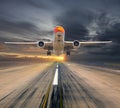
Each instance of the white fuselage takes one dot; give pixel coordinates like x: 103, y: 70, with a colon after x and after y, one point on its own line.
x: 58, y: 43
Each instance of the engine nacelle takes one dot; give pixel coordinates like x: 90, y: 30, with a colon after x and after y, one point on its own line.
x: 41, y: 44
x: 76, y: 44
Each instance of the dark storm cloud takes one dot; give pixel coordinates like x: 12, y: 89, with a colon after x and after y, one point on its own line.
x: 108, y: 28
x: 15, y: 27
x: 75, y: 23
x: 23, y: 29
x: 112, y: 33
x: 24, y: 20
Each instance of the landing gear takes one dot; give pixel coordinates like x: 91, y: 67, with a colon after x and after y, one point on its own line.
x: 68, y: 53
x: 48, y: 53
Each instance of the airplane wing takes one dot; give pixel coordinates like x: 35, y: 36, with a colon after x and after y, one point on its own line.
x: 94, y: 43
x: 72, y: 44
x: 21, y: 43
x: 41, y: 44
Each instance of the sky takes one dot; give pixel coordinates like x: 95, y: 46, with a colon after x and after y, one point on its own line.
x: 83, y: 20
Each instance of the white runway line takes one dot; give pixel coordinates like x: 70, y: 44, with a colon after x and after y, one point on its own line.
x: 55, y: 81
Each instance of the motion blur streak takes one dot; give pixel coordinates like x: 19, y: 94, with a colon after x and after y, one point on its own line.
x: 17, y: 55
x: 58, y: 58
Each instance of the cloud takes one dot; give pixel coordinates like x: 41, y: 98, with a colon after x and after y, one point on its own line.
x: 112, y: 33
x: 74, y: 22
x: 107, y: 28
x: 21, y: 30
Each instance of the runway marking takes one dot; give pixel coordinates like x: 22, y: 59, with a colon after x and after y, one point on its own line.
x: 68, y: 64
x: 57, y: 66
x: 55, y: 81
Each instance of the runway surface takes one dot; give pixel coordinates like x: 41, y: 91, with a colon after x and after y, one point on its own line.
x: 59, y: 85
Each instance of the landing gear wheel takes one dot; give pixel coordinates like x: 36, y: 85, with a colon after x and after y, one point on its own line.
x: 48, y: 53
x: 68, y: 53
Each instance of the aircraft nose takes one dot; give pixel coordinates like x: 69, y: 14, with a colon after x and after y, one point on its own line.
x: 59, y: 29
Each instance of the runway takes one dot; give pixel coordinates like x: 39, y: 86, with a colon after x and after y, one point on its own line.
x: 59, y: 85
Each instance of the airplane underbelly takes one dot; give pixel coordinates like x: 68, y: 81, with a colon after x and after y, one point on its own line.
x: 58, y: 43
x: 58, y: 48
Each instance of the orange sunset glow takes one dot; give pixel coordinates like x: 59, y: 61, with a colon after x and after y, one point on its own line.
x: 54, y: 58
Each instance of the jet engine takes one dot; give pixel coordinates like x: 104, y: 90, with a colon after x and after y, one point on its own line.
x: 76, y: 44
x: 41, y: 44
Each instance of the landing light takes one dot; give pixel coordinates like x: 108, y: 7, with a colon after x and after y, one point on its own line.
x: 55, y: 58
x: 59, y: 58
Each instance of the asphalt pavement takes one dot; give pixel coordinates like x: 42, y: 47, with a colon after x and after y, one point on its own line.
x: 63, y: 85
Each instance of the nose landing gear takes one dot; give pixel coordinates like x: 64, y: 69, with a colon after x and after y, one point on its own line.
x: 48, y: 53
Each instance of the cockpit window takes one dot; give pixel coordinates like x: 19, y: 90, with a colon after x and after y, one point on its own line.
x: 59, y: 35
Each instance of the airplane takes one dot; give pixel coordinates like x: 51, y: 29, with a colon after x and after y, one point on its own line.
x: 58, y: 45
